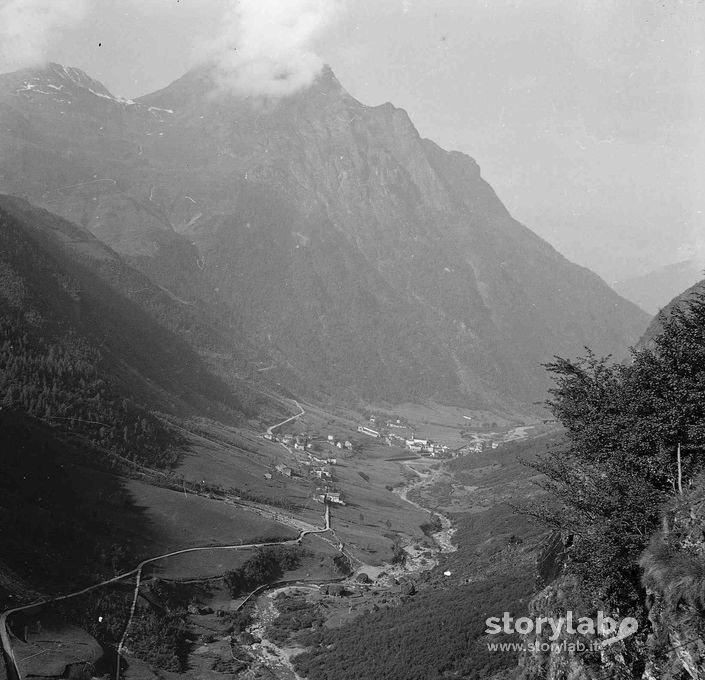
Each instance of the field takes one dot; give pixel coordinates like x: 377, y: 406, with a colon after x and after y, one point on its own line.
x: 494, y: 544
x: 176, y: 521
x: 478, y: 481
x: 240, y: 459
x: 373, y: 517
x: 445, y: 423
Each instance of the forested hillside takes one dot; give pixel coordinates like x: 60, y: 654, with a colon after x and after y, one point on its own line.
x: 79, y: 355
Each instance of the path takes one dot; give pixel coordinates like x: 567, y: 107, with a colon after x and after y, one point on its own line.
x: 13, y: 668
x: 271, y: 428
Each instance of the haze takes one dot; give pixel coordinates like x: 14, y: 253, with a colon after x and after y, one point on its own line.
x: 585, y: 117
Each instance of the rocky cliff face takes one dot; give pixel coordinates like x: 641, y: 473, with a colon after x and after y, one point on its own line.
x: 670, y: 644
x: 674, y: 578
x: 571, y: 656
x: 366, y: 260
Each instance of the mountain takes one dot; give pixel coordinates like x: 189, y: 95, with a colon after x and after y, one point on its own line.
x: 678, y: 302
x: 365, y: 260
x: 653, y: 290
x: 79, y: 354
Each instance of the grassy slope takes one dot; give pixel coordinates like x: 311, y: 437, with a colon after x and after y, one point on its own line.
x: 441, y: 629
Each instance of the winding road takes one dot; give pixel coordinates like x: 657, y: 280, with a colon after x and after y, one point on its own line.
x: 12, y: 665
x: 271, y: 428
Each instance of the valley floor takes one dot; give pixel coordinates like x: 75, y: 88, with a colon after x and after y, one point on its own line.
x: 373, y: 519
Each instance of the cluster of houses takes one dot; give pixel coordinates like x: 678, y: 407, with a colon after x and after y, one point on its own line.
x: 386, y: 430
x: 302, y: 446
x: 339, y: 443
x: 416, y: 445
x: 304, y: 442
x: 425, y: 446
x: 480, y: 445
x: 318, y: 466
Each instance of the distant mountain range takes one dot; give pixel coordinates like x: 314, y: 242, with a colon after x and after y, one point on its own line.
x: 312, y: 234
x: 654, y: 290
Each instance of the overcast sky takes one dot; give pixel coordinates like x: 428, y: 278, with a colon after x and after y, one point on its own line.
x: 586, y: 116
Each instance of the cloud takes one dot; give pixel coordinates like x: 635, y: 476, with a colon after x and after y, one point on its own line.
x: 28, y: 27
x: 267, y: 47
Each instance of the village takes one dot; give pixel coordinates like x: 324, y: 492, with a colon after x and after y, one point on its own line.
x: 314, y: 455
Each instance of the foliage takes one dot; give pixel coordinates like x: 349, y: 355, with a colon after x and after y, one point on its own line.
x: 674, y: 563
x: 438, y: 633
x: 265, y: 566
x: 102, y: 613
x: 624, y: 423
x: 175, y: 596
x: 399, y: 555
x: 296, y: 613
x: 342, y: 564
x: 241, y: 619
x: 61, y: 382
x: 159, y: 639
x: 433, y: 526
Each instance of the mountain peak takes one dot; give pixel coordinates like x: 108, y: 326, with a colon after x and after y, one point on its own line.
x: 78, y: 77
x: 202, y: 83
x: 196, y: 84
x: 327, y: 81
x: 367, y: 261
x: 57, y: 80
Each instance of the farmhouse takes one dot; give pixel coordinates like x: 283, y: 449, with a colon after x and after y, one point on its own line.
x: 323, y: 495
x: 283, y: 470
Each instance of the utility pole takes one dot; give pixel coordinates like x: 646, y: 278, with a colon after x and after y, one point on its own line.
x: 680, y: 471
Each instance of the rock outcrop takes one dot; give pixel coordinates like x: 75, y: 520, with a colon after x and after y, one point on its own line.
x: 674, y: 578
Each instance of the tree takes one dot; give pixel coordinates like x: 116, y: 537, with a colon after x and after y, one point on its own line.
x: 624, y: 423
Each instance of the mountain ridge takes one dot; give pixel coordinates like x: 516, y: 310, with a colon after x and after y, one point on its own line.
x: 653, y: 291
x: 679, y: 302
x: 365, y: 259
x: 62, y: 280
